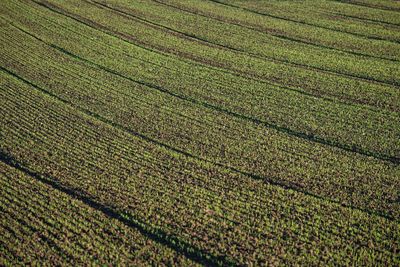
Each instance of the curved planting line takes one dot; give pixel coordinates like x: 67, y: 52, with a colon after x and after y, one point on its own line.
x: 302, y: 22
x: 279, y: 36
x: 376, y: 21
x: 182, y: 57
x: 282, y: 129
x: 15, y: 202
x: 248, y: 53
x: 211, y: 67
x: 154, y: 234
x: 194, y: 60
x: 122, y: 128
x: 349, y: 2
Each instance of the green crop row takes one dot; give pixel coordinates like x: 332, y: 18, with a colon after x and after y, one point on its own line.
x: 259, y: 117
x: 331, y: 16
x: 276, y: 18
x: 41, y: 224
x: 372, y: 4
x: 213, y: 210
x: 251, y: 43
x: 224, y: 139
x: 371, y: 24
x: 231, y: 58
x: 138, y: 140
x: 300, y: 79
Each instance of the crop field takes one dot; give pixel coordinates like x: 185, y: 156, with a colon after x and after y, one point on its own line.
x: 200, y: 132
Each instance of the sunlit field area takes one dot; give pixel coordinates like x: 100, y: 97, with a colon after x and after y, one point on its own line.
x: 200, y: 132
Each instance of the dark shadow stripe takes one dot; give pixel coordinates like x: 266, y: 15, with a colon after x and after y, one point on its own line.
x: 281, y: 184
x: 358, y: 4
x: 285, y: 130
x: 302, y: 22
x: 202, y: 63
x: 33, y: 229
x: 154, y: 234
x: 281, y: 129
x: 375, y: 21
x: 250, y: 54
x: 267, y: 31
x: 372, y: 108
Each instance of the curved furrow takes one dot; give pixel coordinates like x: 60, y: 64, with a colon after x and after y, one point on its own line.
x: 186, y: 154
x: 310, y: 224
x: 108, y: 214
x: 167, y: 133
x: 46, y: 138
x: 154, y: 234
x: 186, y: 55
x: 303, y: 32
x: 285, y: 130
x: 366, y: 19
x: 305, y: 136
x: 129, y: 42
x: 219, y: 69
x: 300, y: 22
x: 243, y: 51
x: 207, y: 186
x: 212, y: 188
x: 125, y: 240
x: 325, y: 10
x: 358, y: 3
x: 132, y: 96
x: 270, y: 32
x: 168, y: 183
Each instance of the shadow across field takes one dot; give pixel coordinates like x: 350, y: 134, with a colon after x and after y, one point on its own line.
x: 301, y: 22
x: 154, y: 234
x: 113, y: 124
x: 352, y: 148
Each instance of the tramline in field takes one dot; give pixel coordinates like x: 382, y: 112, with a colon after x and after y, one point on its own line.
x: 199, y: 132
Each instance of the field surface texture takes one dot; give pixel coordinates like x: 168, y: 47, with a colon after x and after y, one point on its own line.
x: 188, y: 132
